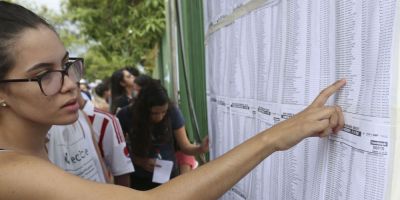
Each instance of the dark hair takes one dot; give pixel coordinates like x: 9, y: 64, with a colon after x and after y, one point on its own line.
x: 117, y: 90
x: 143, y: 80
x: 135, y: 72
x: 142, y: 129
x: 101, y: 88
x: 14, y: 19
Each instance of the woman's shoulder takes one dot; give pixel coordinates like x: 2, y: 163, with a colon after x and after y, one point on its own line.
x: 176, y: 116
x: 16, y: 172
x: 16, y: 164
x: 173, y: 110
x: 10, y: 157
x: 21, y: 172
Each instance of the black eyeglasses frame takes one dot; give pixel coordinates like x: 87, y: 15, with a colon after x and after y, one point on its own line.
x: 38, y: 79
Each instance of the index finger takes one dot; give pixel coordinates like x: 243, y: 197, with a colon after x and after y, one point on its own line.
x: 327, y: 92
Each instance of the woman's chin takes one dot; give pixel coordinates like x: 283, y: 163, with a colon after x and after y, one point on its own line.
x: 67, y: 120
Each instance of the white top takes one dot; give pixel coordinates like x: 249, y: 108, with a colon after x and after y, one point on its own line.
x: 110, y: 139
x: 71, y: 148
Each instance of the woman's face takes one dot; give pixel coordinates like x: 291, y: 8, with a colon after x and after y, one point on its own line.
x: 136, y: 89
x: 128, y: 79
x: 157, y: 113
x: 37, y: 51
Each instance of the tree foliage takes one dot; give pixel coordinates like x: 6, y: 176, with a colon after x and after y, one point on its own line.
x: 120, y: 32
x: 109, y: 34
x: 68, y: 32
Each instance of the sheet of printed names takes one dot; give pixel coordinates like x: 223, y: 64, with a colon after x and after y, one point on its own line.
x: 269, y: 64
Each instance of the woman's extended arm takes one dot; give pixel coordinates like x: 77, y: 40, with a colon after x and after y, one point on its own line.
x: 41, y: 180
x: 211, y: 180
x: 187, y: 147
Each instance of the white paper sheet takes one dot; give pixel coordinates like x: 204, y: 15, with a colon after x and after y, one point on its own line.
x: 162, y: 171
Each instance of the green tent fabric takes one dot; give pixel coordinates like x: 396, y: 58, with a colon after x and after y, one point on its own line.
x: 191, y: 62
x: 191, y: 19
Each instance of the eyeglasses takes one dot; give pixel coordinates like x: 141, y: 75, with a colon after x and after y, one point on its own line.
x: 52, y: 81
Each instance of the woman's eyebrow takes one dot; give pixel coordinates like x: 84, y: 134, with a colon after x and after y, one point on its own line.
x: 47, y: 65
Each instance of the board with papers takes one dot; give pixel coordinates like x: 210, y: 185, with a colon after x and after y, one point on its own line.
x: 267, y: 65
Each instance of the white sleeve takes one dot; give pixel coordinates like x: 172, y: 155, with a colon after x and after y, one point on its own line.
x: 71, y: 148
x: 115, y: 151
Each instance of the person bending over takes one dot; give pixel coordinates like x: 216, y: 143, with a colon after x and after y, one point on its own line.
x: 155, y: 128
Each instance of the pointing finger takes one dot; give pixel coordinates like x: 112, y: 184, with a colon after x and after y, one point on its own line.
x: 327, y: 92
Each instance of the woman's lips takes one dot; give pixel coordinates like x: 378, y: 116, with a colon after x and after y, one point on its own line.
x: 72, y: 106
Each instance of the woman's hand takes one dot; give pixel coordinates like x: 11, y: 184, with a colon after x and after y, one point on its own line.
x: 146, y: 163
x: 316, y: 120
x: 204, y: 146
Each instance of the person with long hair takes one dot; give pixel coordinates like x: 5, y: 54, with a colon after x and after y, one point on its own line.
x: 156, y: 130
x: 121, y: 89
x: 38, y: 89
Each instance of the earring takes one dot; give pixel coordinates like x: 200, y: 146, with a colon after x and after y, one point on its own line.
x: 3, y: 103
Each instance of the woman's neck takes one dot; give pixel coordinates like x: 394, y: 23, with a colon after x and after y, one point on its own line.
x: 128, y: 92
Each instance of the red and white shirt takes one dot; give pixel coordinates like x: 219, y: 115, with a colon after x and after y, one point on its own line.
x: 110, y: 139
x: 71, y: 147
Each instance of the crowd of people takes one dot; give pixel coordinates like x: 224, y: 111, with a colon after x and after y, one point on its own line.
x: 59, y: 142
x: 132, y: 121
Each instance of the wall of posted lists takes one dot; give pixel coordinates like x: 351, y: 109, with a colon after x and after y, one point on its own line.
x: 267, y: 59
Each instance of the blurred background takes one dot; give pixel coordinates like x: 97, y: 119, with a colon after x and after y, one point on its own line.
x: 161, y: 38
x: 108, y: 34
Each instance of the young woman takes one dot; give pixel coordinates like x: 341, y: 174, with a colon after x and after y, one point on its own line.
x: 121, y: 89
x: 39, y: 88
x: 155, y: 129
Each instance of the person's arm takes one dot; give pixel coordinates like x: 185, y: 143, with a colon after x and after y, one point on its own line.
x: 31, y: 174
x: 114, y: 150
x: 106, y: 172
x: 315, y: 120
x: 187, y: 147
x: 181, y: 138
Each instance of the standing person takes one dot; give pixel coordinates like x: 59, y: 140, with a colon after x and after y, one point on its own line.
x: 102, y: 94
x: 39, y: 88
x: 111, y: 142
x: 121, y: 89
x: 73, y: 148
